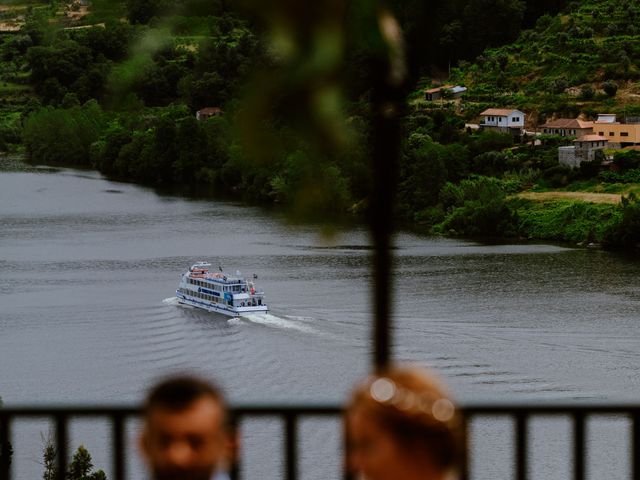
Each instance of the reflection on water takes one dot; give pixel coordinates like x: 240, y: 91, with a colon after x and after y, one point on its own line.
x: 88, y: 270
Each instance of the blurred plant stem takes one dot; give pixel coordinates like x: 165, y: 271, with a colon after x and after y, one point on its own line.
x: 301, y: 91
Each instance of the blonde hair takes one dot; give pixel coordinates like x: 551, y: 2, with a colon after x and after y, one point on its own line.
x: 416, y: 410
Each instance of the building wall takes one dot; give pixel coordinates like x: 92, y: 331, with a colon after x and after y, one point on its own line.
x: 581, y: 152
x: 586, y: 151
x: 567, y: 156
x: 618, y: 132
x: 569, y: 132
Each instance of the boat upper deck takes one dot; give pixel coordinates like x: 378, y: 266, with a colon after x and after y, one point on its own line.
x: 200, y: 272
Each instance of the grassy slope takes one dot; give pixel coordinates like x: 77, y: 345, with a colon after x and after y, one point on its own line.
x: 580, y: 196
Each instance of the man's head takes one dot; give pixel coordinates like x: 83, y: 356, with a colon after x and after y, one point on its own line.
x: 184, y: 435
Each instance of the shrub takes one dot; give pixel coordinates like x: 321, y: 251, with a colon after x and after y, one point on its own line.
x: 476, y: 207
x: 624, y: 231
x: 587, y: 92
x: 557, y: 176
x: 627, y: 160
x: 610, y: 88
x: 558, y: 85
x: 630, y: 176
x: 571, y: 221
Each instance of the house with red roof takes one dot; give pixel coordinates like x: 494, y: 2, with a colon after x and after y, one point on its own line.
x: 208, y: 112
x: 503, y: 119
x: 568, y: 127
x: 438, y: 93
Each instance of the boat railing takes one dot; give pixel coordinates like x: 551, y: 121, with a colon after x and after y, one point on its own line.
x: 290, y: 416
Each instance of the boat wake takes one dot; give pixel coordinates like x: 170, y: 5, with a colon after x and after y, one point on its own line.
x: 267, y: 319
x: 274, y: 321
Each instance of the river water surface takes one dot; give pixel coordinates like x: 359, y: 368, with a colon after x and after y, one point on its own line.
x: 89, y: 267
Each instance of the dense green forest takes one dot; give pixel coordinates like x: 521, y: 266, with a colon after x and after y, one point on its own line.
x: 115, y: 86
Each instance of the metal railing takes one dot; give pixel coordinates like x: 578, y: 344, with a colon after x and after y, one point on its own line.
x: 291, y: 415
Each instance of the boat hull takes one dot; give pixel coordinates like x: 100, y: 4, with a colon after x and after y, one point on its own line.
x: 220, y: 308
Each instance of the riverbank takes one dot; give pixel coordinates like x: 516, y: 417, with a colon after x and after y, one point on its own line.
x: 578, y: 219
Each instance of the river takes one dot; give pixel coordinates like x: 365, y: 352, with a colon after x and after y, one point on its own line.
x: 89, y: 267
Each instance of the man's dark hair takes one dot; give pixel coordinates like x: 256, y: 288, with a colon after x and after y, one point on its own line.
x: 177, y: 393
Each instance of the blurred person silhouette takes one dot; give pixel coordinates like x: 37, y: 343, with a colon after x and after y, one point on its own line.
x: 403, y: 425
x: 186, y: 434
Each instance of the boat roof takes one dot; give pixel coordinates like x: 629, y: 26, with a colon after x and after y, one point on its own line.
x: 201, y: 270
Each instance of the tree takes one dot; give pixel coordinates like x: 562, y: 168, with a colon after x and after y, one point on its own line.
x: 490, y: 23
x: 65, y: 61
x: 81, y: 467
x: 63, y: 135
x: 624, y: 230
x: 423, y: 174
x: 49, y: 455
x: 477, y: 206
x: 141, y: 11
x: 490, y: 163
x: 587, y: 92
x: 627, y: 160
x: 558, y: 85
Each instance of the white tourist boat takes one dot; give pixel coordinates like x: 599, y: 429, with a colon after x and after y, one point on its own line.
x: 219, y: 292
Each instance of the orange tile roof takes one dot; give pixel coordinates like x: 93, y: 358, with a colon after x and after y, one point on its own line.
x: 210, y: 110
x: 437, y: 89
x: 592, y: 138
x: 568, y: 123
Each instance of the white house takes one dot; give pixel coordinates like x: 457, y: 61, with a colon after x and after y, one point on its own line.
x: 503, y: 119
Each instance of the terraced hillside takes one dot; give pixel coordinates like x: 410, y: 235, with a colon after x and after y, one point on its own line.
x: 585, y: 60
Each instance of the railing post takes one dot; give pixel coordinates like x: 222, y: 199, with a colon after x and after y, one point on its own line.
x: 635, y: 445
x: 118, y: 447
x: 579, y: 446
x: 291, y: 446
x: 346, y: 448
x: 388, y: 74
x: 521, y: 446
x: 465, y: 447
x: 61, y: 444
x: 5, y: 447
x: 234, y: 429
